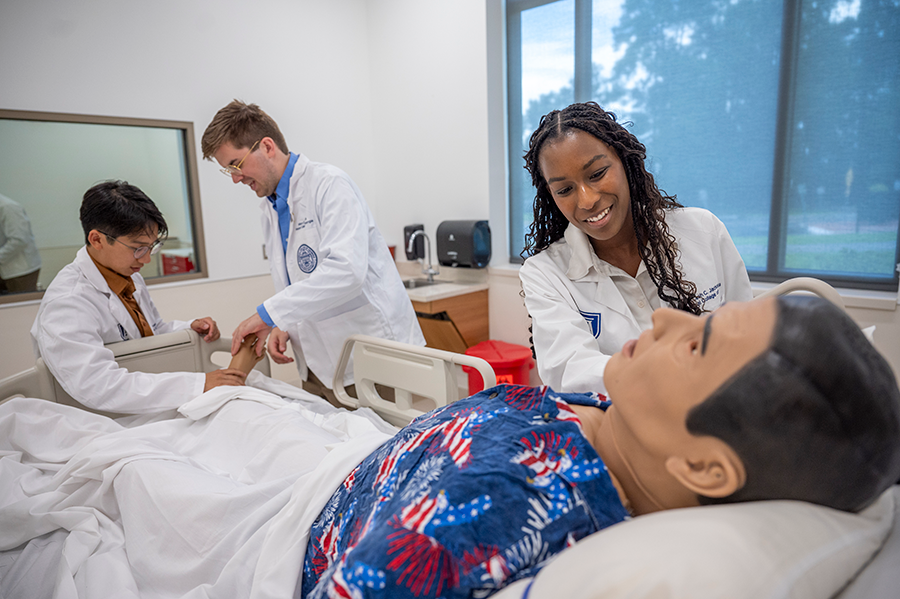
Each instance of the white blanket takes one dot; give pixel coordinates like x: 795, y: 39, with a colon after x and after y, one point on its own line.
x: 213, y: 502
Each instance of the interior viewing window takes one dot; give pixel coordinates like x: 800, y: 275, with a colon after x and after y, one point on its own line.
x: 48, y: 161
x: 781, y: 117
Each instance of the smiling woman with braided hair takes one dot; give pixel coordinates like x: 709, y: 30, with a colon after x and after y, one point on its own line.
x: 607, y: 247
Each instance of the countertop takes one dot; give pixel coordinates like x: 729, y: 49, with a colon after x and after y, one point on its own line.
x: 442, y: 290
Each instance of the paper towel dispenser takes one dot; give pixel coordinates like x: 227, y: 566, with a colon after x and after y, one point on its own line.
x: 464, y: 243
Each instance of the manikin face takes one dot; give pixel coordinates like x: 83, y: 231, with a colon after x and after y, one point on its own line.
x: 116, y: 256
x: 587, y: 181
x: 655, y: 381
x: 258, y: 171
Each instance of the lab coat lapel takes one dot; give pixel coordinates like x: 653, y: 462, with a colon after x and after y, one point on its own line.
x: 584, y: 265
x: 117, y: 311
x: 123, y: 319
x: 610, y: 296
x: 273, y: 244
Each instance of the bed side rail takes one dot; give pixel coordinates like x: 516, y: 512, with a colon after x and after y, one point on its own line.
x: 415, y: 373
x: 28, y: 383
x: 181, y: 351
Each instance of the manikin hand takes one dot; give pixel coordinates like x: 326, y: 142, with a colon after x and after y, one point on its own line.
x: 278, y: 340
x: 207, y: 327
x: 252, y: 325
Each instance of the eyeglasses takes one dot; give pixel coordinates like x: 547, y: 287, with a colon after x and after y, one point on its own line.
x: 231, y: 170
x: 140, y: 251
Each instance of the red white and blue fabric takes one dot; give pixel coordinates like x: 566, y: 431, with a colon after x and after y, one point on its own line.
x: 464, y: 500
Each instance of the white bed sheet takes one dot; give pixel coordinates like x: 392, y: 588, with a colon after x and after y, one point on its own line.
x: 212, y: 503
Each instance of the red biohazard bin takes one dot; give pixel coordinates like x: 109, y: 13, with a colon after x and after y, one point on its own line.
x: 511, y: 363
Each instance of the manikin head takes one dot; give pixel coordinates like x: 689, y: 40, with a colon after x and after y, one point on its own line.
x: 118, y: 219
x: 782, y: 398
x: 248, y: 145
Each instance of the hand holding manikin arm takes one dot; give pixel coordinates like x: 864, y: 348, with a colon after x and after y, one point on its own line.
x: 251, y: 326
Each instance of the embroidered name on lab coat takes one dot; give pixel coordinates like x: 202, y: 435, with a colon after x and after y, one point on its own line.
x: 302, y: 224
x: 593, y: 320
x: 306, y: 259
x: 711, y: 293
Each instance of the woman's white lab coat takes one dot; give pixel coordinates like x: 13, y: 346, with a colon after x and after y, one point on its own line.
x: 583, y: 309
x: 78, y: 315
x: 343, y: 280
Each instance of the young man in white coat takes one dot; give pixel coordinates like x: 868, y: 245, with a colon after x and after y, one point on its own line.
x: 101, y: 298
x: 332, y: 269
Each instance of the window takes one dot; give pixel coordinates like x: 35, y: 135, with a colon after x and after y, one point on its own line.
x: 782, y: 118
x: 48, y: 161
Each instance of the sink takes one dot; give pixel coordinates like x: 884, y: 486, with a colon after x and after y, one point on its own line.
x: 416, y: 283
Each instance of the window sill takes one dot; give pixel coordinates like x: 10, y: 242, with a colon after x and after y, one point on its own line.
x: 853, y: 298
x: 504, y: 270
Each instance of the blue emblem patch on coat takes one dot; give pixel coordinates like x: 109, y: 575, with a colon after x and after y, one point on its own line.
x: 122, y: 332
x: 593, y: 320
x: 306, y: 259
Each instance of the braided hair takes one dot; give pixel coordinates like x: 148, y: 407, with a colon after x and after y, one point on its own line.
x: 656, y: 245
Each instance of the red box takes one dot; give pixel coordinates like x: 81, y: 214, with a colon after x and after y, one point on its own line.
x: 176, y: 264
x: 511, y: 363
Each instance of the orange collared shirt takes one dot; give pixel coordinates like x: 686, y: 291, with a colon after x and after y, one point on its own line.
x: 124, y: 288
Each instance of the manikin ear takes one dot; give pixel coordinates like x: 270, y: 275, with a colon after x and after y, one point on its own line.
x: 718, y: 472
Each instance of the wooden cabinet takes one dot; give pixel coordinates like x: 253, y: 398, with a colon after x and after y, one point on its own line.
x: 454, y: 323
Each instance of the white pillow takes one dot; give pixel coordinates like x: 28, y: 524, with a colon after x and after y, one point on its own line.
x: 750, y: 550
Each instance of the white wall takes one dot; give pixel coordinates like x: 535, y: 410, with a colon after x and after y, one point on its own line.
x: 429, y: 107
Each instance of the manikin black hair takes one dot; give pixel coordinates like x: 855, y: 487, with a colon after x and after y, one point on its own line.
x: 815, y: 418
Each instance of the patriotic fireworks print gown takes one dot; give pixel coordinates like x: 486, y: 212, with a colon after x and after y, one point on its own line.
x: 464, y: 500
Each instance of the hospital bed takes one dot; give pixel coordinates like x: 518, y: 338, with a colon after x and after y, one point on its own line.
x: 765, y: 549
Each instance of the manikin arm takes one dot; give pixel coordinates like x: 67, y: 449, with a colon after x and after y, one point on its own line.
x: 245, y: 358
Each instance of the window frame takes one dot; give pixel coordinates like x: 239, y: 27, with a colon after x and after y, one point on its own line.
x: 193, y: 207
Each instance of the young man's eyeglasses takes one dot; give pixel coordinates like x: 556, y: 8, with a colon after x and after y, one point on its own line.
x: 140, y: 251
x: 235, y: 169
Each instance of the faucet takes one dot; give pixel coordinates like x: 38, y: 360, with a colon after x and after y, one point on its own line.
x: 429, y: 270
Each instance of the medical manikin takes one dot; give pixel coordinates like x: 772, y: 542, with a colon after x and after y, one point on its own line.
x: 772, y: 399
